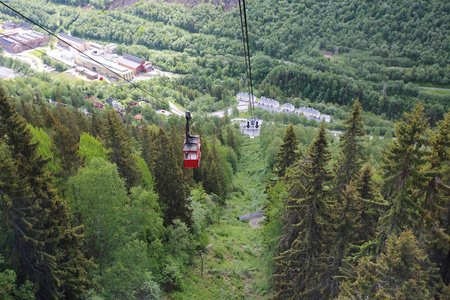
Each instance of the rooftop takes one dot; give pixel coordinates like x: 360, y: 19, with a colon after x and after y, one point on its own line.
x: 66, y: 37
x: 192, y: 145
x: 133, y: 58
x: 114, y: 67
x: 129, y: 62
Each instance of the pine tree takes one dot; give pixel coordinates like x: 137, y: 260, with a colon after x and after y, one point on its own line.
x: 213, y: 172
x: 289, y: 152
x: 404, y: 271
x: 169, y: 181
x: 351, y: 157
x: 436, y: 204
x: 346, y: 217
x: 231, y: 141
x: 405, y: 176
x: 66, y: 154
x: 301, y: 271
x: 371, y: 202
x: 46, y: 246
x: 120, y: 151
x: 26, y: 111
x: 147, y: 138
x: 220, y: 135
x: 97, y: 128
x: 82, y: 123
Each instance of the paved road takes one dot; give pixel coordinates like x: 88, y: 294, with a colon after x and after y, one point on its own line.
x: 432, y: 88
x: 175, y: 110
x: 242, y: 106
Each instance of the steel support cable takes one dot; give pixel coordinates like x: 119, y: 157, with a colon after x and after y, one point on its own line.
x: 245, y: 59
x: 52, y: 34
x: 249, y: 63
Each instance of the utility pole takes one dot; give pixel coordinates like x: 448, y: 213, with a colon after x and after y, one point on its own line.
x: 202, y: 265
x: 384, y: 90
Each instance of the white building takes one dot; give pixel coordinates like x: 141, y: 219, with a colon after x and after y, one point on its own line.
x: 288, y: 107
x: 308, y: 112
x: 244, y: 97
x: 269, y: 102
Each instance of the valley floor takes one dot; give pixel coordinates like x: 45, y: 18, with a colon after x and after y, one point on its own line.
x: 234, y: 262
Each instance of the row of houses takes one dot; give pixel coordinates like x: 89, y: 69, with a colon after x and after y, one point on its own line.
x: 17, y: 41
x: 244, y: 97
x: 273, y: 106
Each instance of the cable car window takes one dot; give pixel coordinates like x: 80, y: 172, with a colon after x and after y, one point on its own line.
x: 186, y: 155
x: 193, y: 155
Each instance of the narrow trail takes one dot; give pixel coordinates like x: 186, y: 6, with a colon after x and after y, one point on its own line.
x: 255, y: 222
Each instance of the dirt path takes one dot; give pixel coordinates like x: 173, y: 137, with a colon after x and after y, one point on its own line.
x: 255, y: 222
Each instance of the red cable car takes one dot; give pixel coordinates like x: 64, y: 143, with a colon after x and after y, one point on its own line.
x: 192, y: 151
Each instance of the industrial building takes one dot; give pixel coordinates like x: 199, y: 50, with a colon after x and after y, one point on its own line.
x: 134, y: 63
x: 65, y: 40
x: 19, y: 41
x: 105, y: 67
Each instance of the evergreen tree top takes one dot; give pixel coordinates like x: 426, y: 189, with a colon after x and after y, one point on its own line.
x: 289, y: 152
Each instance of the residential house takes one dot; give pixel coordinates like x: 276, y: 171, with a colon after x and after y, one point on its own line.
x: 288, y: 108
x: 244, y: 97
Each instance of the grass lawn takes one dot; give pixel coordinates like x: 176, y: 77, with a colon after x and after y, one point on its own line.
x: 36, y: 53
x: 234, y: 263
x: 66, y: 76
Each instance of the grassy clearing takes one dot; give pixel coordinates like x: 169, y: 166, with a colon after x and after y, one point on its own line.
x: 429, y: 84
x: 37, y: 54
x: 436, y: 92
x: 233, y: 264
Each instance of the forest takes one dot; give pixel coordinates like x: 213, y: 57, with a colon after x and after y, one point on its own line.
x: 101, y: 206
x: 114, y: 214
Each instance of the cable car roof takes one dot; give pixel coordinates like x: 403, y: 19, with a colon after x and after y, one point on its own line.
x: 192, y: 143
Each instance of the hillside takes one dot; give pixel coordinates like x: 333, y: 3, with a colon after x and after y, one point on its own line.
x: 227, y: 4
x: 401, y: 43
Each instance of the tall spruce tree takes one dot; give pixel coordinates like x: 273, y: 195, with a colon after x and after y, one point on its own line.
x: 347, y: 227
x: 97, y: 127
x: 66, y: 153
x: 301, y: 271
x: 351, y: 151
x: 213, y: 172
x: 120, y: 151
x: 436, y: 205
x: 289, y: 152
x: 46, y: 247
x: 170, y: 185
x: 403, y: 271
x: 371, y: 202
x: 231, y: 140
x: 147, y: 138
x: 405, y: 175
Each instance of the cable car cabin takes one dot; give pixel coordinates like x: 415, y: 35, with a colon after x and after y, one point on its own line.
x: 192, y: 151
